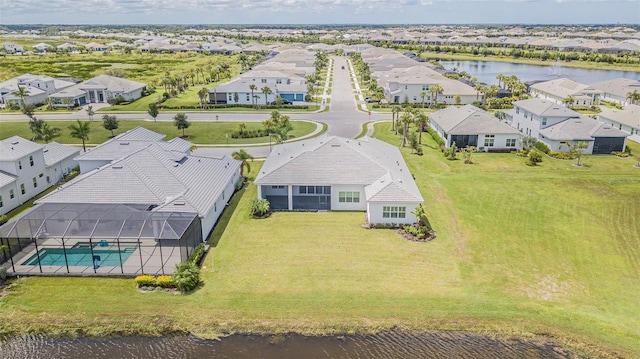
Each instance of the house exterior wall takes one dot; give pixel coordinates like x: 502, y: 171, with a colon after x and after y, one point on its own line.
x: 530, y: 124
x: 499, y: 141
x: 26, y: 174
x: 375, y: 212
x: 561, y: 146
x: 413, y: 93
x: 9, y: 203
x: 56, y: 172
x: 622, y: 127
x: 89, y: 165
x: 348, y: 206
x: 210, y: 219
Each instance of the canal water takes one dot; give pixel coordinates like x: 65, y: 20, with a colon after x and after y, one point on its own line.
x: 392, y: 344
x: 486, y: 72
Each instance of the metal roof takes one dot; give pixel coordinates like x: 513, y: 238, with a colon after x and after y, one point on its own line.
x: 55, y: 152
x: 16, y: 147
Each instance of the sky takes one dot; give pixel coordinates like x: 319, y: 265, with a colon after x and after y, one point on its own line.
x: 320, y: 12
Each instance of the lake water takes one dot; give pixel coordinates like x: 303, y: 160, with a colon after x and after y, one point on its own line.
x: 391, y: 344
x: 486, y: 71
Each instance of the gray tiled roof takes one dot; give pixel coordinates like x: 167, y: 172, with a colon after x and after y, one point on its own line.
x: 545, y: 108
x: 469, y: 120
x: 151, y: 177
x: 16, y: 147
x: 562, y: 87
x: 580, y: 129
x: 362, y: 162
x: 140, y: 134
x: 124, y: 144
x: 55, y: 152
x: 6, y: 178
x: 629, y: 115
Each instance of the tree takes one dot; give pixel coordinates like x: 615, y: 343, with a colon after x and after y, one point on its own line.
x: 634, y: 97
x: 435, y: 90
x: 266, y: 91
x: 395, y: 111
x: 90, y: 112
x: 153, y: 110
x: 243, y: 156
x: 423, y: 94
x: 578, y: 149
x: 187, y: 276
x: 422, y: 120
x: 236, y: 97
x: 500, y: 115
x: 241, y: 128
x: 406, y: 119
x: 110, y: 123
x: 202, y: 95
x: 451, y: 152
x: 180, y: 121
x: 22, y: 92
x: 253, y: 87
x: 569, y: 101
x: 467, y: 153
x: 259, y: 207
x: 81, y: 130
x: 457, y: 99
x: 528, y: 142
x: 534, y: 157
x: 46, y: 133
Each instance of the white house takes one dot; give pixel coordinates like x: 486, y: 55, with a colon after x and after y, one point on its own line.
x: 626, y: 120
x: 559, y: 89
x: 616, y: 90
x: 12, y: 48
x: 127, y: 143
x: 98, y: 90
x: 471, y: 126
x: 288, y: 87
x: 370, y: 176
x: 42, y: 47
x: 531, y: 115
x: 601, y: 138
x: 28, y: 168
x: 38, y: 87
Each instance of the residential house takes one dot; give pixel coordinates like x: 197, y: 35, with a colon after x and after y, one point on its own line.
x: 12, y: 48
x: 126, y: 143
x: 42, y: 47
x: 626, y: 120
x: 531, y: 115
x: 559, y: 90
x: 28, y: 168
x: 95, y: 46
x: 68, y: 47
x: 289, y: 87
x: 98, y: 90
x: 471, y: 126
x: 371, y: 176
x: 616, y: 90
x: 38, y: 87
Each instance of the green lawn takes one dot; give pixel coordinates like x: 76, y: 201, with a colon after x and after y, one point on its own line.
x: 199, y: 132
x: 521, y: 251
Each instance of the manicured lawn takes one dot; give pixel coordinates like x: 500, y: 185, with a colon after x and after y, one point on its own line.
x: 521, y: 251
x: 199, y: 132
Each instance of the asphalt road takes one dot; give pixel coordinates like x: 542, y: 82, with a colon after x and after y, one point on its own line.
x: 343, y: 117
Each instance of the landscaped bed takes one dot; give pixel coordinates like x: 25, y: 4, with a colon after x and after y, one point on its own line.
x: 551, y: 249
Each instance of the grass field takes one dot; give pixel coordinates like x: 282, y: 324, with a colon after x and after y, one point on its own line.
x: 521, y: 251
x: 198, y: 132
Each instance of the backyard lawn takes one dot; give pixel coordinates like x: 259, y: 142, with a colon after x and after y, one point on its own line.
x: 198, y: 132
x: 521, y: 251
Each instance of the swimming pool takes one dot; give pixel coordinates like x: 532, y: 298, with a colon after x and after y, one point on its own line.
x: 81, y: 255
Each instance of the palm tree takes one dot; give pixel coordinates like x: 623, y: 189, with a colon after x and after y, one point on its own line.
x: 406, y: 119
x: 22, y: 92
x: 634, y: 97
x: 90, y: 112
x: 435, y: 89
x: 241, y: 128
x: 202, y: 95
x: 421, y: 119
x: 423, y: 94
x: 266, y: 91
x: 46, y: 133
x: 395, y: 111
x: 253, y: 87
x: 568, y: 101
x: 500, y: 78
x: 243, y: 156
x: 80, y: 130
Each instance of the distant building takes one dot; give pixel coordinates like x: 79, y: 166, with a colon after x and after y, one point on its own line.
x: 98, y: 90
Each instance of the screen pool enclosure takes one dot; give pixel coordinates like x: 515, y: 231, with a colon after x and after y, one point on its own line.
x: 97, y: 239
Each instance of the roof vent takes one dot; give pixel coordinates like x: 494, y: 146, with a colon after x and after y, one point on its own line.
x: 335, y: 145
x: 116, y: 167
x: 15, y: 143
x: 45, y: 151
x: 178, y: 203
x: 124, y: 143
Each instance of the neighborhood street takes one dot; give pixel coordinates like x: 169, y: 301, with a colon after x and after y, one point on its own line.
x: 343, y: 117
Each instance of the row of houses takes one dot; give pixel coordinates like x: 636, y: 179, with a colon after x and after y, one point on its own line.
x: 284, y: 74
x: 41, y: 89
x: 559, y: 90
x: 548, y: 122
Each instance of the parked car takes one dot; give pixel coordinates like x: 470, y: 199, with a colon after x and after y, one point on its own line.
x: 284, y: 102
x: 369, y: 100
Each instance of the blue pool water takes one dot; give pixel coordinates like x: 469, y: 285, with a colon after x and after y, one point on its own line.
x: 80, y: 255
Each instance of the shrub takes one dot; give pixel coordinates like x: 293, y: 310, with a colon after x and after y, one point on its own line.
x: 145, y: 280
x: 187, y: 277
x: 620, y: 154
x: 450, y: 153
x: 3, y: 219
x: 562, y: 155
x: 259, y: 207
x: 165, y: 281
x: 3, y: 273
x: 435, y: 136
x: 542, y: 147
x: 534, y: 157
x: 198, y: 253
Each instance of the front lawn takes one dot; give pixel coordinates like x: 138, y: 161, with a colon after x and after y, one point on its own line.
x: 198, y: 132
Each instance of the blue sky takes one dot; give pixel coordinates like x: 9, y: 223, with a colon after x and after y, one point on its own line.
x: 319, y: 11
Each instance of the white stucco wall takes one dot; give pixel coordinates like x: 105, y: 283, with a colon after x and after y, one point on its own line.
x: 90, y: 165
x: 210, y: 219
x: 374, y: 212
x: 9, y: 203
x: 347, y: 206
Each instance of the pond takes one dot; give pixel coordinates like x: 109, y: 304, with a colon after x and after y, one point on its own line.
x: 486, y: 72
x: 392, y: 344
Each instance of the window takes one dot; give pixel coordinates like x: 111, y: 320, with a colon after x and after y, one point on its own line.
x: 489, y: 140
x: 303, y: 189
x: 526, y: 114
x: 511, y: 142
x: 544, y: 121
x: 517, y: 110
x: 20, y: 164
x: 425, y: 88
x: 311, y: 190
x: 40, y: 175
x: 31, y: 160
x: 248, y: 97
x: 277, y: 187
x: 1, y: 204
x: 278, y: 81
x: 11, y: 194
x: 264, y: 81
x: 394, y: 212
x: 22, y: 190
x: 349, y: 197
x: 35, y: 182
